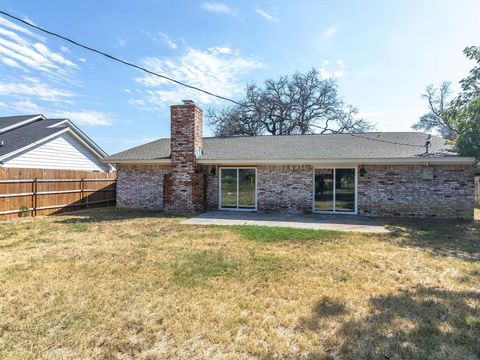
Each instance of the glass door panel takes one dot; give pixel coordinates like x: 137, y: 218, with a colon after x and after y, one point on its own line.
x: 237, y: 188
x: 246, y: 188
x: 345, y: 190
x: 228, y: 188
x: 324, y: 189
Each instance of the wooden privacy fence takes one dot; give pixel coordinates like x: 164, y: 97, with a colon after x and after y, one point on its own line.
x: 34, y: 192
x: 477, y: 191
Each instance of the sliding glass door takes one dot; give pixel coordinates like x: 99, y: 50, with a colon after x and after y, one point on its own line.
x: 237, y: 188
x: 335, y: 190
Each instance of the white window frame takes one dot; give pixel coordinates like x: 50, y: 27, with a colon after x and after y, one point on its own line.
x: 334, y: 211
x: 220, y: 188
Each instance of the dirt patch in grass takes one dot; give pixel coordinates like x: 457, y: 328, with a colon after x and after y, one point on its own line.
x: 103, y: 284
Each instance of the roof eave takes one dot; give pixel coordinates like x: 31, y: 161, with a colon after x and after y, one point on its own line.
x: 380, y: 161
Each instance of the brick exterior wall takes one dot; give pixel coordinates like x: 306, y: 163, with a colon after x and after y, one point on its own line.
x: 184, y: 185
x: 286, y: 189
x: 211, y: 176
x: 442, y: 191
x: 410, y: 191
x: 140, y: 186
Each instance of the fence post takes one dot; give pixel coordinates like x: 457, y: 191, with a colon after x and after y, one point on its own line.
x: 35, y: 190
x: 82, y: 185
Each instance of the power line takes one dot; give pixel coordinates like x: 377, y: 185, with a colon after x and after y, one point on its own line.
x: 178, y: 82
x: 384, y: 141
x: 118, y: 59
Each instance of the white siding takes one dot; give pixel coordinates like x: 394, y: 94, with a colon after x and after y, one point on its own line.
x: 61, y: 152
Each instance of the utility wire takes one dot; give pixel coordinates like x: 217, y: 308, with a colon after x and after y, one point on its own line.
x: 381, y: 140
x: 86, y: 47
x: 117, y: 59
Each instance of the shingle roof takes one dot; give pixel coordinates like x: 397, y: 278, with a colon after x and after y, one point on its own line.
x: 7, y: 121
x: 373, y: 145
x: 27, y: 134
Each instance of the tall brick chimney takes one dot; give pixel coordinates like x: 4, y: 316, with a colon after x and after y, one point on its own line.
x: 183, y: 186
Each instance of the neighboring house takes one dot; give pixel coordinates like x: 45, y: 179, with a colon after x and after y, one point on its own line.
x: 32, y: 141
x: 377, y: 174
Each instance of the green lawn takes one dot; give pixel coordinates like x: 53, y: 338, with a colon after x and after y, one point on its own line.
x: 102, y: 284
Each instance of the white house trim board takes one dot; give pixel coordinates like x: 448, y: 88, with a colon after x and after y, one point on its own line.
x: 81, y: 135
x: 22, y: 123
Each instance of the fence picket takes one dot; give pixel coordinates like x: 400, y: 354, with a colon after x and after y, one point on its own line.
x: 45, y: 191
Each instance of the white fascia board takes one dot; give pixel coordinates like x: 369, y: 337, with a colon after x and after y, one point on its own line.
x: 22, y: 123
x: 81, y: 135
x: 83, y: 138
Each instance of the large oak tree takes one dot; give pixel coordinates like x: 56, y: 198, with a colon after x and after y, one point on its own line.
x: 303, y: 103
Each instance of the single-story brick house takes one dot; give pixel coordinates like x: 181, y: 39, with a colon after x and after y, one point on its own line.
x: 376, y: 174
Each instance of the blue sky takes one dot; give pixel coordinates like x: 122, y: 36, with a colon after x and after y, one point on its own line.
x: 383, y: 54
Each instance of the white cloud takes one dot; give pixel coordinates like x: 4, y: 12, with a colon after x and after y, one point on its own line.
x: 88, y: 117
x: 216, y: 69
x: 225, y: 50
x: 218, y: 8
x: 26, y: 107
x: 121, y: 43
x: 82, y: 117
x: 161, y: 38
x: 28, y: 50
x: 167, y: 41
x: 12, y: 63
x: 39, y: 90
x: 328, y: 33
x: 56, y: 57
x: 266, y: 15
x: 8, y: 24
x: 82, y: 59
x: 332, y: 70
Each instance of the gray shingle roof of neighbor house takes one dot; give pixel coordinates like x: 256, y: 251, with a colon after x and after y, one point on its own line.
x: 8, y: 121
x: 298, y: 148
x: 24, y: 135
x: 18, y: 132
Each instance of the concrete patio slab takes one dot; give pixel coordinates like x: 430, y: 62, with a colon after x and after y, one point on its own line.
x: 351, y: 223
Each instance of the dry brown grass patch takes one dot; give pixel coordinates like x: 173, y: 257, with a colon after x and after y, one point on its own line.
x: 102, y: 284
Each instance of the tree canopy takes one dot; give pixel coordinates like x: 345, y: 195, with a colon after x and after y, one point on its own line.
x: 303, y: 103
x: 456, y: 119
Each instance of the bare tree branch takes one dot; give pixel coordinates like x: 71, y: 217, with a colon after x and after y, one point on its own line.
x: 301, y: 104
